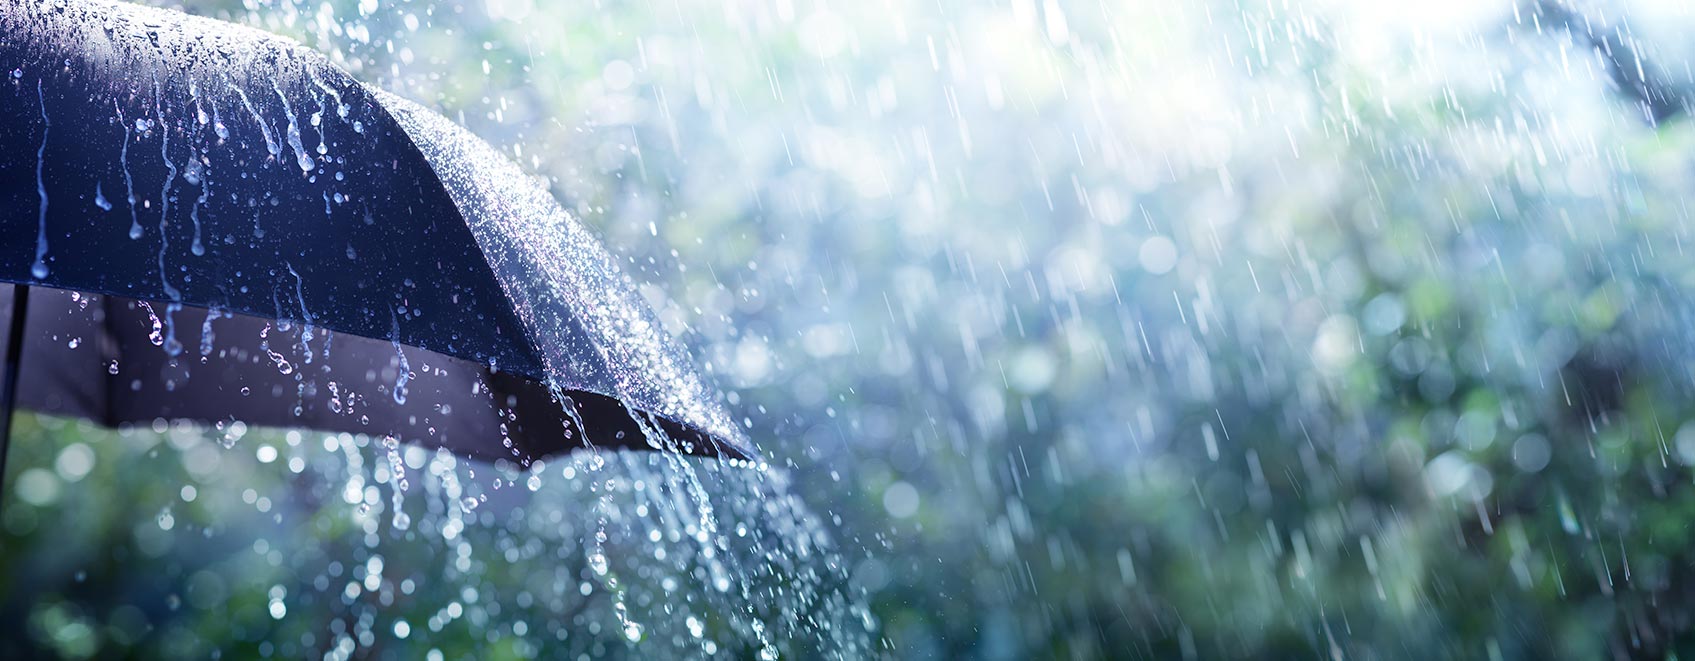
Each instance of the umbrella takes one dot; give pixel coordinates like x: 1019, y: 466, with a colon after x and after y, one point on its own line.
x: 209, y: 222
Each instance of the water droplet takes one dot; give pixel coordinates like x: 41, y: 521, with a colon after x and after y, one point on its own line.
x: 157, y: 334
x: 404, y: 373
x: 278, y: 359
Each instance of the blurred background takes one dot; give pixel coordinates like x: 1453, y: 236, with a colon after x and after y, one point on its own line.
x: 1209, y: 329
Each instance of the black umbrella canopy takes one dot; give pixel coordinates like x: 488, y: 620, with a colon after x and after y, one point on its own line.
x: 238, y: 230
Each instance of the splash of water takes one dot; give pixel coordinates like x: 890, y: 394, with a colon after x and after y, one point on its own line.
x: 611, y: 342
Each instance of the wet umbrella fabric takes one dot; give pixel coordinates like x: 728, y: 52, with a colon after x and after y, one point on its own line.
x: 213, y: 223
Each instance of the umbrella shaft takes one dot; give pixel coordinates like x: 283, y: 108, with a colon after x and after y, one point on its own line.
x: 9, y: 382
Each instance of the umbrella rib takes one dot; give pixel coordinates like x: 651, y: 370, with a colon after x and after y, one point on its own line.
x: 9, y: 386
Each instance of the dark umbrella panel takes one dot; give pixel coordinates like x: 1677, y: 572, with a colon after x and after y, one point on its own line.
x: 196, y: 182
x: 100, y: 358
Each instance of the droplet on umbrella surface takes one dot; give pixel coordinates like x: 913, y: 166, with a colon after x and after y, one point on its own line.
x: 39, y: 268
x: 264, y: 128
x: 129, y: 181
x: 293, y: 134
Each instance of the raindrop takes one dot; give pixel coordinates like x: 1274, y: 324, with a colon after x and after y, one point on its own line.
x: 39, y: 268
x: 281, y: 362
x: 403, y: 374
x: 129, y: 181
x: 300, y: 156
x: 207, y: 336
x: 156, y: 335
x: 264, y: 129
